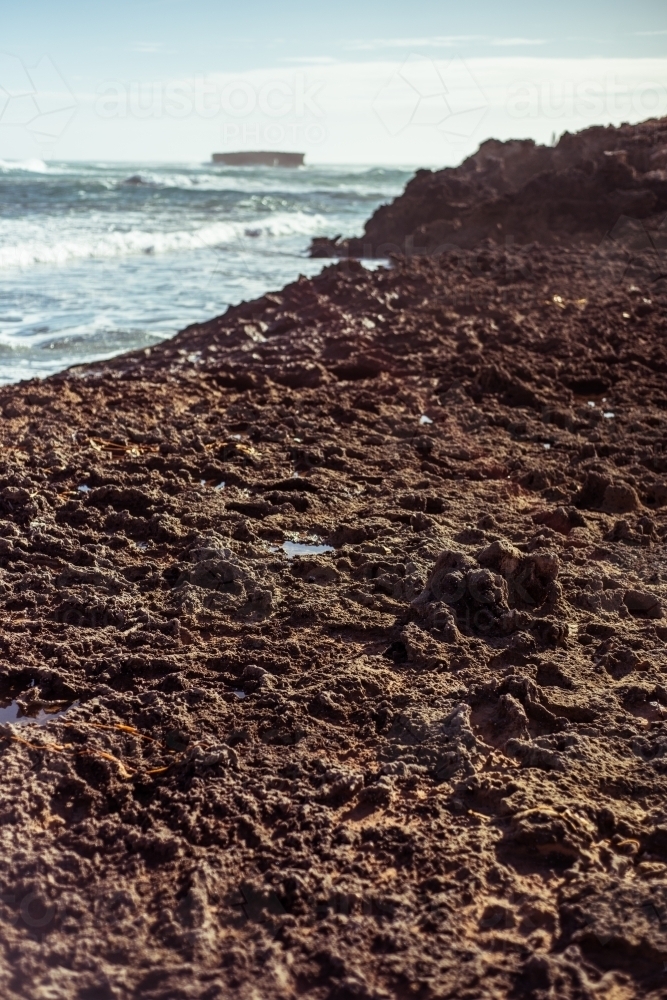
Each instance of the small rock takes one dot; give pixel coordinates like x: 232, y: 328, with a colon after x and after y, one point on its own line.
x: 643, y: 603
x: 619, y: 498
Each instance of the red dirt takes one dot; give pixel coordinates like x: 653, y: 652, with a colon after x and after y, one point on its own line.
x: 447, y: 775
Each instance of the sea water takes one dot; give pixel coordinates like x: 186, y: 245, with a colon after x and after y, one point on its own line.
x: 100, y: 258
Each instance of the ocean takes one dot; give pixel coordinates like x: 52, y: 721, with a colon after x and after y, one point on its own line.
x: 101, y: 258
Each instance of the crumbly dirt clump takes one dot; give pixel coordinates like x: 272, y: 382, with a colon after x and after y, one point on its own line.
x: 427, y: 762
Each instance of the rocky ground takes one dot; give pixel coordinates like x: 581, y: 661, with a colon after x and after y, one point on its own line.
x: 601, y: 184
x: 428, y: 762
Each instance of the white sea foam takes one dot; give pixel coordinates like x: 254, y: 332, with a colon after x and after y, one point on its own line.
x: 249, y: 180
x: 27, y: 166
x: 81, y: 246
x: 91, y: 267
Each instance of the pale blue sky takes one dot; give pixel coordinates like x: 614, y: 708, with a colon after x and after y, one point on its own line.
x: 348, y: 52
x: 187, y: 36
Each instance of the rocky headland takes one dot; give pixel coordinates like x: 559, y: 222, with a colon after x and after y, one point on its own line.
x: 573, y: 193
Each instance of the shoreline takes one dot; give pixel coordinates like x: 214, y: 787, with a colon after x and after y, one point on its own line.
x: 129, y: 263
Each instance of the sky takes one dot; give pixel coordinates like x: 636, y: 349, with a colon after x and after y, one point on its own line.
x: 346, y: 82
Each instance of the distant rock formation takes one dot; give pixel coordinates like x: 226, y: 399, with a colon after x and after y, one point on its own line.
x: 520, y: 192
x: 259, y: 159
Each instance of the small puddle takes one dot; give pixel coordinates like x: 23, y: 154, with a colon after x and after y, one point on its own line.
x: 609, y: 415
x: 292, y: 549
x: 424, y: 419
x: 240, y: 694
x: 12, y: 713
x: 84, y: 488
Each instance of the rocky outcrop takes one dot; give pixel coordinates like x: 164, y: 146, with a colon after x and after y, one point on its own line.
x: 517, y: 192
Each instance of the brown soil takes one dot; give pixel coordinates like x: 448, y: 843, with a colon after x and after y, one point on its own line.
x: 429, y: 763
x: 516, y: 192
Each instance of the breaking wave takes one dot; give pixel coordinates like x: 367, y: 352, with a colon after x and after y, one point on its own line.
x: 138, y: 241
x: 25, y: 166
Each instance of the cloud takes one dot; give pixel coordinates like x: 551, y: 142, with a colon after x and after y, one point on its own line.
x: 436, y: 42
x: 368, y: 116
x: 146, y: 47
x: 433, y: 42
x: 518, y: 41
x: 36, y: 98
x: 310, y: 60
x: 647, y: 34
